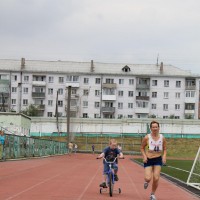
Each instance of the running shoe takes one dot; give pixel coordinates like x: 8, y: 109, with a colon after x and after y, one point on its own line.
x: 152, y: 197
x: 103, y: 185
x: 146, y: 185
x: 116, y: 177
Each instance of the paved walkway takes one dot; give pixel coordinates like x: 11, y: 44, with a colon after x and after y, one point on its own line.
x: 77, y: 177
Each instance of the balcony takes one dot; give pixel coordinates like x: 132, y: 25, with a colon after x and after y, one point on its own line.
x: 145, y: 98
x: 189, y: 111
x: 72, y: 84
x: 38, y: 95
x: 109, y: 85
x: 73, y: 96
x: 40, y: 106
x: 109, y: 97
x: 72, y: 108
x: 108, y: 109
x: 142, y: 87
x: 142, y: 110
x: 39, y: 83
x: 190, y: 87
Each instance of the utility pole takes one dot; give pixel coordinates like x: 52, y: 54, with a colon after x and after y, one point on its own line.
x: 68, y: 113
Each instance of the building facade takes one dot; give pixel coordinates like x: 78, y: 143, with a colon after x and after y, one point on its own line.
x: 99, y: 90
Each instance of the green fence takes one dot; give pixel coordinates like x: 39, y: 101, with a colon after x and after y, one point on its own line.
x: 23, y: 147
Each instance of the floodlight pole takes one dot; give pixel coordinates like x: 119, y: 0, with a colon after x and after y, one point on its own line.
x: 68, y: 114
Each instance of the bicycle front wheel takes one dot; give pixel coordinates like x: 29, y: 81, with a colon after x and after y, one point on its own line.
x: 111, y: 184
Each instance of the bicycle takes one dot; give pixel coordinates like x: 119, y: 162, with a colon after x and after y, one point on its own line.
x: 110, y: 177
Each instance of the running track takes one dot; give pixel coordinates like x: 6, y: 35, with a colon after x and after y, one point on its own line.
x: 76, y: 177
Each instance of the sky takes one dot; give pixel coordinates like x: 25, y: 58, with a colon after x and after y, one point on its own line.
x: 108, y: 31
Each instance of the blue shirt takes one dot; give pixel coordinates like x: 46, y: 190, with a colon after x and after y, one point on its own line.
x: 111, y: 153
x: 2, y: 139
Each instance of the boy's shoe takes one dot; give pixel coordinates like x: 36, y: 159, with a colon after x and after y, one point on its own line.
x: 103, y: 185
x: 152, y: 197
x: 116, y: 177
x: 146, y: 185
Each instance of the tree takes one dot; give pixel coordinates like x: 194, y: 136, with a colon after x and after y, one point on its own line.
x: 31, y: 111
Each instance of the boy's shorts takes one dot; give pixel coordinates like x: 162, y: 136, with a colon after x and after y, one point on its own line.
x: 106, y: 167
x: 153, y: 162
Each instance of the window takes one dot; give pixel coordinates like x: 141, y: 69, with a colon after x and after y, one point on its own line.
x: 178, y: 95
x: 96, y: 104
x: 60, y: 103
x: 72, y: 78
x: 166, y: 95
x: 131, y: 81
x: 50, y: 90
x: 14, y: 89
x: 130, y: 105
x: 50, y: 102
x: 165, y: 117
x: 86, y: 80
x: 85, y: 104
x: 25, y: 102
x: 153, y: 106
x: 110, y: 80
x: 85, y: 115
x: 177, y: 106
x: 120, y: 93
x: 130, y: 116
x: 51, y: 79
x: 154, y: 94
x: 60, y: 91
x: 176, y: 117
x: 130, y: 93
x: 121, y: 81
x: 120, y: 105
x: 74, y: 91
x: 154, y: 82
x: 166, y: 83
x: 97, y: 92
x: 96, y: 116
x: 178, y: 84
x: 14, y: 78
x: 142, y: 104
x: 85, y: 92
x: 120, y: 116
x: 13, y: 101
x: 49, y: 114
x: 60, y: 79
x: 26, y: 78
x: 25, y: 90
x: 190, y: 94
x: 97, y: 80
x: 165, y: 106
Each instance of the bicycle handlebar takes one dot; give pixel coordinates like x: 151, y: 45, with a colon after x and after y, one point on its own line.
x: 110, y: 161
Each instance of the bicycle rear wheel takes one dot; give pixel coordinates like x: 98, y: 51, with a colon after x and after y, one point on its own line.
x: 111, y: 184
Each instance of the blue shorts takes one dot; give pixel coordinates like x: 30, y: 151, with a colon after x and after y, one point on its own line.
x: 106, y: 167
x: 153, y: 162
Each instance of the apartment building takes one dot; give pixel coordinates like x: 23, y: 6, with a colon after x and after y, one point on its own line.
x: 99, y: 90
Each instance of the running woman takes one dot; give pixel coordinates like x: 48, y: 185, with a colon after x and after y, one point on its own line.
x: 154, y: 153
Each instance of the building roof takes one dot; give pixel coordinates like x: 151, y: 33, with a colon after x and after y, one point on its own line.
x: 98, y: 68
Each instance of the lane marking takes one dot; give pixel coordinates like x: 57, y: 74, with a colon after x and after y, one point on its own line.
x: 132, y: 183
x: 87, y: 186
x: 30, y: 188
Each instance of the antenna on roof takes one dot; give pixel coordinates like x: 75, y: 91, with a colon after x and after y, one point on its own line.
x: 157, y: 59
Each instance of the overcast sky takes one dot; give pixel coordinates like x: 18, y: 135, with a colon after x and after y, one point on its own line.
x: 117, y: 31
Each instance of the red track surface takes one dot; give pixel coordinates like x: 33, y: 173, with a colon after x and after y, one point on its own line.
x: 76, y: 177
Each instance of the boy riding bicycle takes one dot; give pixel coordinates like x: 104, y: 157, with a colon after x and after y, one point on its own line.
x: 110, y: 153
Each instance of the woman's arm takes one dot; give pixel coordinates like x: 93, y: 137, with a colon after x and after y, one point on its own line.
x: 142, y: 149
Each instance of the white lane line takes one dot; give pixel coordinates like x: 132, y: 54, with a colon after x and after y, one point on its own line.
x: 30, y: 188
x: 132, y: 183
x: 87, y: 186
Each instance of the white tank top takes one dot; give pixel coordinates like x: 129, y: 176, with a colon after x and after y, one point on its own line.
x: 155, y: 146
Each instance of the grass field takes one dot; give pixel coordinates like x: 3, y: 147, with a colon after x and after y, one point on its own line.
x: 176, y: 168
